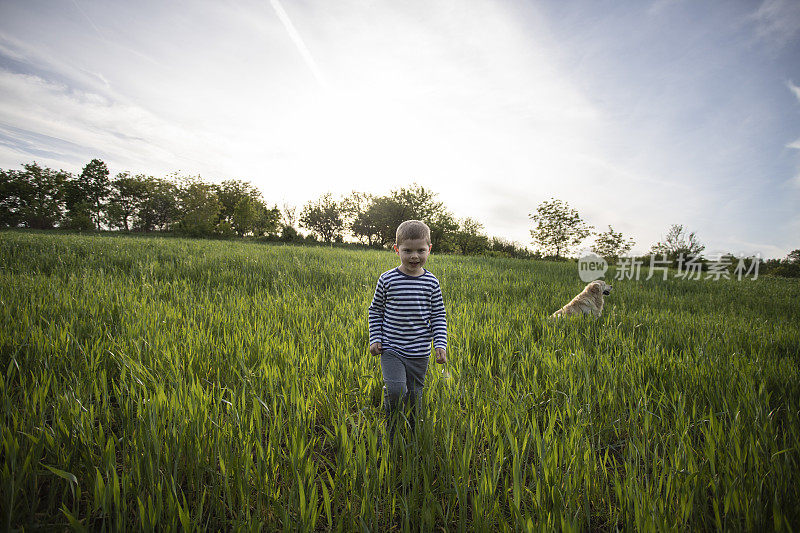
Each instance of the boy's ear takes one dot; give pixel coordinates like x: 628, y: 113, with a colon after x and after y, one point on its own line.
x: 394, y: 247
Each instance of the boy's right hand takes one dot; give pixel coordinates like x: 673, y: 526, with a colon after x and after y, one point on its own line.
x: 376, y: 348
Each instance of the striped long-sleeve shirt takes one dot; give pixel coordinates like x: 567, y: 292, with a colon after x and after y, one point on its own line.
x: 408, y: 312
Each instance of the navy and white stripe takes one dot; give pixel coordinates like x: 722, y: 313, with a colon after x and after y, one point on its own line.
x: 408, y: 312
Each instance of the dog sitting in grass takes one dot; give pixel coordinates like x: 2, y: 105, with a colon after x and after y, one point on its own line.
x: 588, y: 302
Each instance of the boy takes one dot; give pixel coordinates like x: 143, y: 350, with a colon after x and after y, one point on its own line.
x: 406, y: 313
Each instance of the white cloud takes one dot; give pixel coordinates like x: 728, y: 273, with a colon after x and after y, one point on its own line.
x: 778, y: 20
x: 127, y: 135
x: 795, y: 89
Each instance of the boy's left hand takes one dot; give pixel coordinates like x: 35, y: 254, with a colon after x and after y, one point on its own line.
x: 441, y: 356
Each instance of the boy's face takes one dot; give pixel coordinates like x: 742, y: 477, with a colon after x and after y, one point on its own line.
x: 413, y: 254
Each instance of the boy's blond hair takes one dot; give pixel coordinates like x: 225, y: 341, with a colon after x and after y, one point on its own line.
x: 412, y: 229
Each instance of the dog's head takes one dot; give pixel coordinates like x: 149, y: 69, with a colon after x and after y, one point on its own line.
x: 600, y: 287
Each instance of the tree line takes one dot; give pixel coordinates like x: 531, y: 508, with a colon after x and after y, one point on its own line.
x: 42, y: 198
x: 560, y: 229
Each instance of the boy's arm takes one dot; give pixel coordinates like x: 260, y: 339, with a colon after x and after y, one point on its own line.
x: 438, y: 319
x: 376, y: 314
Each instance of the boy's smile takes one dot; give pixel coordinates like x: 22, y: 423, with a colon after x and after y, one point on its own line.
x: 413, y: 254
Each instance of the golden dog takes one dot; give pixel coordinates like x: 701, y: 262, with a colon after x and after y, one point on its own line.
x: 588, y: 302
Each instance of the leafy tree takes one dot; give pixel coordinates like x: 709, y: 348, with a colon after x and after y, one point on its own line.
x: 79, y: 218
x: 199, y: 207
x: 787, y: 268
x: 11, y: 201
x: 501, y: 246
x: 33, y: 197
x: 267, y: 220
x: 243, y: 210
x: 611, y: 244
x: 364, y: 227
x: 244, y: 215
x: 251, y: 216
x: 418, y: 203
x: 363, y: 213
x: 678, y: 242
x: 470, y: 238
x: 289, y: 234
x: 354, y: 209
x: 95, y: 184
x: 127, y: 195
x: 78, y: 206
x: 41, y: 195
x: 159, y: 207
x: 355, y: 204
x: 224, y: 229
x: 323, y: 217
x: 506, y: 248
x: 558, y: 227
x: 378, y: 222
x: 382, y: 218
x: 230, y: 193
x: 443, y: 231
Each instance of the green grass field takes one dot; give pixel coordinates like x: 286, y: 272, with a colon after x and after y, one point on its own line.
x: 163, y: 384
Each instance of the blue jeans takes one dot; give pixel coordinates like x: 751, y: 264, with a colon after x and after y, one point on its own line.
x: 403, y: 382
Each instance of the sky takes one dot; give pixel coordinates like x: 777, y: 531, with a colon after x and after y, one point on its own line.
x: 637, y: 114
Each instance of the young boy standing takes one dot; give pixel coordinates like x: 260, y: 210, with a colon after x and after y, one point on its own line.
x: 406, y: 314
